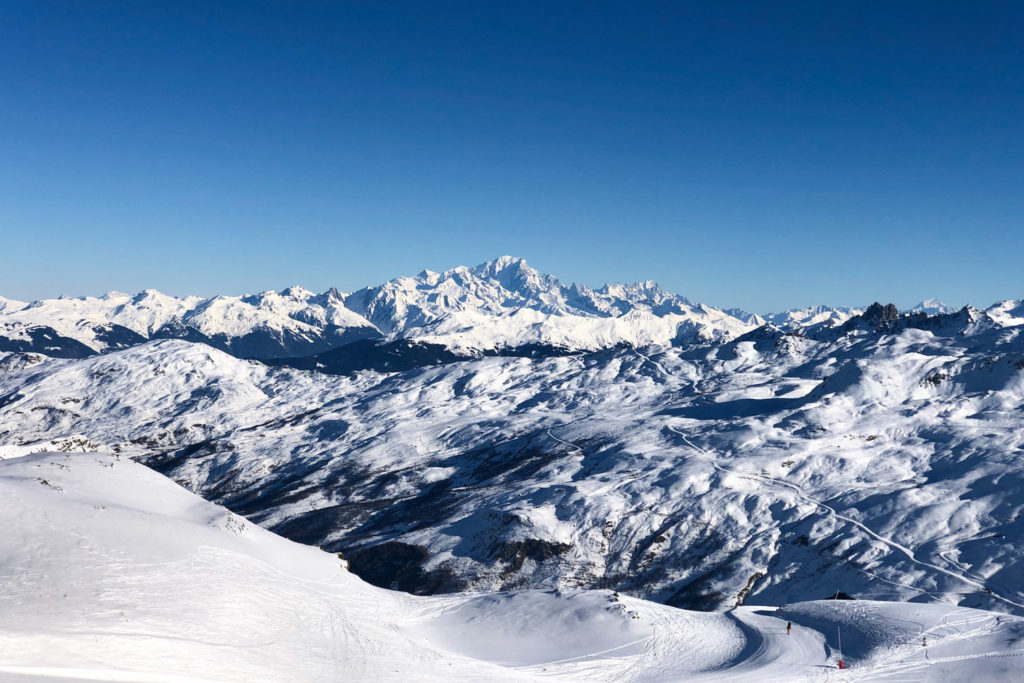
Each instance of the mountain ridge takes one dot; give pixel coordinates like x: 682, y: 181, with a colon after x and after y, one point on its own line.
x: 500, y: 304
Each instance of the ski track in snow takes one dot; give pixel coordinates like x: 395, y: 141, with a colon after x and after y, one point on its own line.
x: 651, y: 361
x: 563, y: 441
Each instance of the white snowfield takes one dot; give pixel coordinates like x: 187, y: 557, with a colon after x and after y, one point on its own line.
x: 109, y: 571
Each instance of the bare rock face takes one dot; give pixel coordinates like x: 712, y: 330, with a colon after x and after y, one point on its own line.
x: 881, y: 317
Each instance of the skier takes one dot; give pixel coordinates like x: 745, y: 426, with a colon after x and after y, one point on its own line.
x: 924, y: 642
x: 789, y: 626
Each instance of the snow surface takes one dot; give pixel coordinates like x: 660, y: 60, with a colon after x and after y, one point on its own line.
x: 108, y: 571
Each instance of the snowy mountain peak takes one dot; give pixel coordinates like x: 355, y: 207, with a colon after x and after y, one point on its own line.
x: 746, y: 317
x: 812, y: 315
x: 645, y: 287
x: 151, y: 298
x: 297, y: 292
x: 932, y: 307
x: 10, y: 305
x: 506, y: 303
x: 1009, y: 313
x: 147, y: 294
x: 516, y: 275
x: 502, y: 264
x: 429, y: 276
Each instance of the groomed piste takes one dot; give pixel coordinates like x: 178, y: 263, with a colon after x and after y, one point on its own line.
x: 109, y: 571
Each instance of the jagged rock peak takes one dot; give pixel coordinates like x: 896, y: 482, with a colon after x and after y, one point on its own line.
x: 878, y: 315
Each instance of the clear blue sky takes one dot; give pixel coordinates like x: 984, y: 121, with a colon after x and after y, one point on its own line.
x: 761, y: 155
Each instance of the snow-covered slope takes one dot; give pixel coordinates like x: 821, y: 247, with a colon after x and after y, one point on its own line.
x: 1008, y: 313
x: 880, y: 458
x: 9, y: 305
x: 111, y: 572
x: 497, y: 305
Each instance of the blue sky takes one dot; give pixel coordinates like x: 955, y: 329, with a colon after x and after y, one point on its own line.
x: 760, y: 155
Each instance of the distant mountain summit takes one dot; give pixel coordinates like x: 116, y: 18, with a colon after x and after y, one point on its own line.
x: 269, y: 324
x: 505, y: 303
x: 932, y: 307
x: 812, y: 315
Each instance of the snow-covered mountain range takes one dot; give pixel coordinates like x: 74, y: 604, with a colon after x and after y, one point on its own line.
x: 502, y: 304
x: 727, y: 461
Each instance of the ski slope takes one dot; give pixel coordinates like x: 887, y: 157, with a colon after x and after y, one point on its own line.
x: 109, y: 571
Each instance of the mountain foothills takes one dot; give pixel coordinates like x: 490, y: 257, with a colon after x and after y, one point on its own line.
x: 492, y: 428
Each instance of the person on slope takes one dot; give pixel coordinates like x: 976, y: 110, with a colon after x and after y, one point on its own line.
x: 789, y: 626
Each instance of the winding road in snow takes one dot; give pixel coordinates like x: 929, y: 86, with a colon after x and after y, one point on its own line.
x: 798, y: 492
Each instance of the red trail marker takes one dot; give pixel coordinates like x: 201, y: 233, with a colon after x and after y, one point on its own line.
x: 839, y: 637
